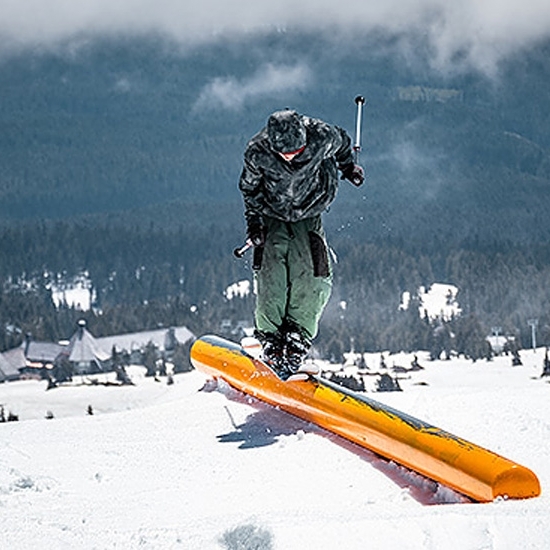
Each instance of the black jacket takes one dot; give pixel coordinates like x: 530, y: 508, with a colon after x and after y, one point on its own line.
x: 299, y: 189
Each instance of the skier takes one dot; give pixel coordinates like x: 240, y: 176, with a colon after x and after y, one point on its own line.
x: 290, y: 176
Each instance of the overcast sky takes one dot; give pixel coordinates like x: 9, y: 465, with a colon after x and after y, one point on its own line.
x: 483, y: 31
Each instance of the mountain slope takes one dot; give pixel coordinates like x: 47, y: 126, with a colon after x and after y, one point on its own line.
x: 120, y: 125
x: 162, y: 466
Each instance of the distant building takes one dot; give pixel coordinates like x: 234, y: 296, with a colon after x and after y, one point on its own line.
x: 237, y: 330
x: 164, y: 339
x: 7, y: 371
x: 13, y: 361
x: 85, y: 353
x: 39, y: 356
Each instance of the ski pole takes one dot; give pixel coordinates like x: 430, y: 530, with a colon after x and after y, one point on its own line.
x: 240, y: 252
x: 360, y: 101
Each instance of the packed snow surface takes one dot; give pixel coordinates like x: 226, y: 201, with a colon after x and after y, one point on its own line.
x: 198, y: 465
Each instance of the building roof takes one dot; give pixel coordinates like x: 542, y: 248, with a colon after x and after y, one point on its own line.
x: 42, y: 352
x: 84, y: 348
x: 138, y: 340
x: 4, y: 365
x: 12, y: 361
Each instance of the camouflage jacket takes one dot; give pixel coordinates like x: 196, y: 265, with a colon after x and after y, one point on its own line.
x: 299, y: 189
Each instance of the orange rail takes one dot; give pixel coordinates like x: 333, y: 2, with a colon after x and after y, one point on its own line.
x: 438, y: 455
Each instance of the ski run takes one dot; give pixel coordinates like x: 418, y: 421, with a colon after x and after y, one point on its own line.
x: 197, y: 465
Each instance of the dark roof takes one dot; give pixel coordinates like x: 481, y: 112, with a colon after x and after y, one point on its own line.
x: 43, y: 352
x: 11, y: 362
x: 4, y: 366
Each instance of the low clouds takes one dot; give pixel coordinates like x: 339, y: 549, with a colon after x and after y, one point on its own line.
x: 231, y: 93
x: 474, y: 32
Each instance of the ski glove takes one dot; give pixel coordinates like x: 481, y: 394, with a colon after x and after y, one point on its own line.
x: 353, y: 173
x: 256, y: 233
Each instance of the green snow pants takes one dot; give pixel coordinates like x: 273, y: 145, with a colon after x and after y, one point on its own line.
x: 294, y: 282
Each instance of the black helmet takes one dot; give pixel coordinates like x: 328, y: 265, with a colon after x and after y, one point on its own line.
x: 286, y: 131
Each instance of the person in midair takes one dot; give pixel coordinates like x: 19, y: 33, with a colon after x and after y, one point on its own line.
x: 289, y: 178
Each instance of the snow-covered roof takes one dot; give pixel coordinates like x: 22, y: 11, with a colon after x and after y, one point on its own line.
x: 43, y: 352
x: 4, y: 365
x: 83, y: 347
x: 137, y: 340
x: 11, y: 362
x: 15, y: 357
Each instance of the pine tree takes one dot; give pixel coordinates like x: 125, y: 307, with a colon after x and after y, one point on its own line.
x: 149, y: 359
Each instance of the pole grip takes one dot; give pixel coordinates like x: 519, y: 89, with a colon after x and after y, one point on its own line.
x: 240, y: 252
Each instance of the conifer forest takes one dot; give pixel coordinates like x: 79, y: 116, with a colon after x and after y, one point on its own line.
x: 117, y: 164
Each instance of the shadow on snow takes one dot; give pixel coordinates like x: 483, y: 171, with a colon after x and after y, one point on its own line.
x: 265, y: 426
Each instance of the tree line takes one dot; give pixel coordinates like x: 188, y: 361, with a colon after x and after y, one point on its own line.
x: 147, y: 277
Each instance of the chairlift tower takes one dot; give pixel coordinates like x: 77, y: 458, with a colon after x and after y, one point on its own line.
x: 533, y: 323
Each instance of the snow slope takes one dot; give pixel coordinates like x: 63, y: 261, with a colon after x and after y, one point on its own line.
x: 173, y: 467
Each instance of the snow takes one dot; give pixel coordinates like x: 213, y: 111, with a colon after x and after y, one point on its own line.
x: 240, y: 289
x: 77, y: 293
x: 439, y: 301
x: 162, y: 466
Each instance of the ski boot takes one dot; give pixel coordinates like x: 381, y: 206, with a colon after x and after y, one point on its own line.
x: 273, y: 353
x: 296, y: 350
